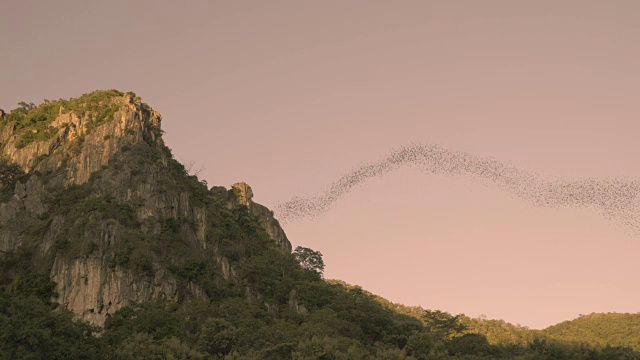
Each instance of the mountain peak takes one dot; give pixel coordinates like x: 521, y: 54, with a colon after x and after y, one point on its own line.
x: 93, y: 127
x: 111, y: 216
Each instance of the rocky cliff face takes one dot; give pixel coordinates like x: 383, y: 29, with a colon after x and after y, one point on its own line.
x: 244, y: 196
x: 92, y: 191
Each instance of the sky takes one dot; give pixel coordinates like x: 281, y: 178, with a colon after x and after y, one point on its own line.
x: 289, y: 95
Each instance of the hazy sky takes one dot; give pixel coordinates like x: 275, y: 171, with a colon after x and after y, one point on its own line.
x: 289, y: 95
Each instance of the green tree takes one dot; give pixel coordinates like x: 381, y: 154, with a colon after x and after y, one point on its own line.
x: 442, y: 323
x: 425, y: 346
x: 310, y: 260
x: 218, y: 337
x: 144, y: 346
x: 469, y: 344
x: 10, y: 174
x: 26, y: 106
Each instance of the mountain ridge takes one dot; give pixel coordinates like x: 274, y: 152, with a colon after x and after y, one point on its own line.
x: 103, y: 232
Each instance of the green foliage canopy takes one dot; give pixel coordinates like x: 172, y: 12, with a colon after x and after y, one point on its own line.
x: 310, y: 260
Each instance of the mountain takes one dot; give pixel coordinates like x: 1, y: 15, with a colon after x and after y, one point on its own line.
x: 108, y: 212
x: 110, y: 249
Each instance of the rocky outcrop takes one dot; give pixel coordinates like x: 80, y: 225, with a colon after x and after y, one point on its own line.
x: 244, y: 195
x: 111, y: 214
x: 96, y: 146
x: 89, y: 288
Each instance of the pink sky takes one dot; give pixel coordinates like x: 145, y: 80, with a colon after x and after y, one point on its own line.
x: 289, y: 95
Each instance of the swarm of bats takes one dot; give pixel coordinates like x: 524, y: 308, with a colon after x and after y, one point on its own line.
x: 616, y: 199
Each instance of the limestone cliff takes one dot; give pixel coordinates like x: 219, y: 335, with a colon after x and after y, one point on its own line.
x: 244, y: 196
x: 89, y: 187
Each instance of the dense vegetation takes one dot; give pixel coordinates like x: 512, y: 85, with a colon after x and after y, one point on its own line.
x: 280, y: 307
x: 600, y: 330
x: 341, y: 323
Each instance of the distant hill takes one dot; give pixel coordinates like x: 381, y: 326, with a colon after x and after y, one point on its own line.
x: 596, y: 329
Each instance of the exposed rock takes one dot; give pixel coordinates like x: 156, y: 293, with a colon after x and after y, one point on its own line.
x: 295, y: 305
x: 244, y: 195
x: 90, y: 289
x: 73, y: 203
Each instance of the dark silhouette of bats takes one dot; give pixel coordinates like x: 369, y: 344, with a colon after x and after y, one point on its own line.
x: 616, y: 198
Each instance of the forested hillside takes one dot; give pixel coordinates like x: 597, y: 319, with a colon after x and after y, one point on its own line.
x: 110, y: 249
x: 600, y: 330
